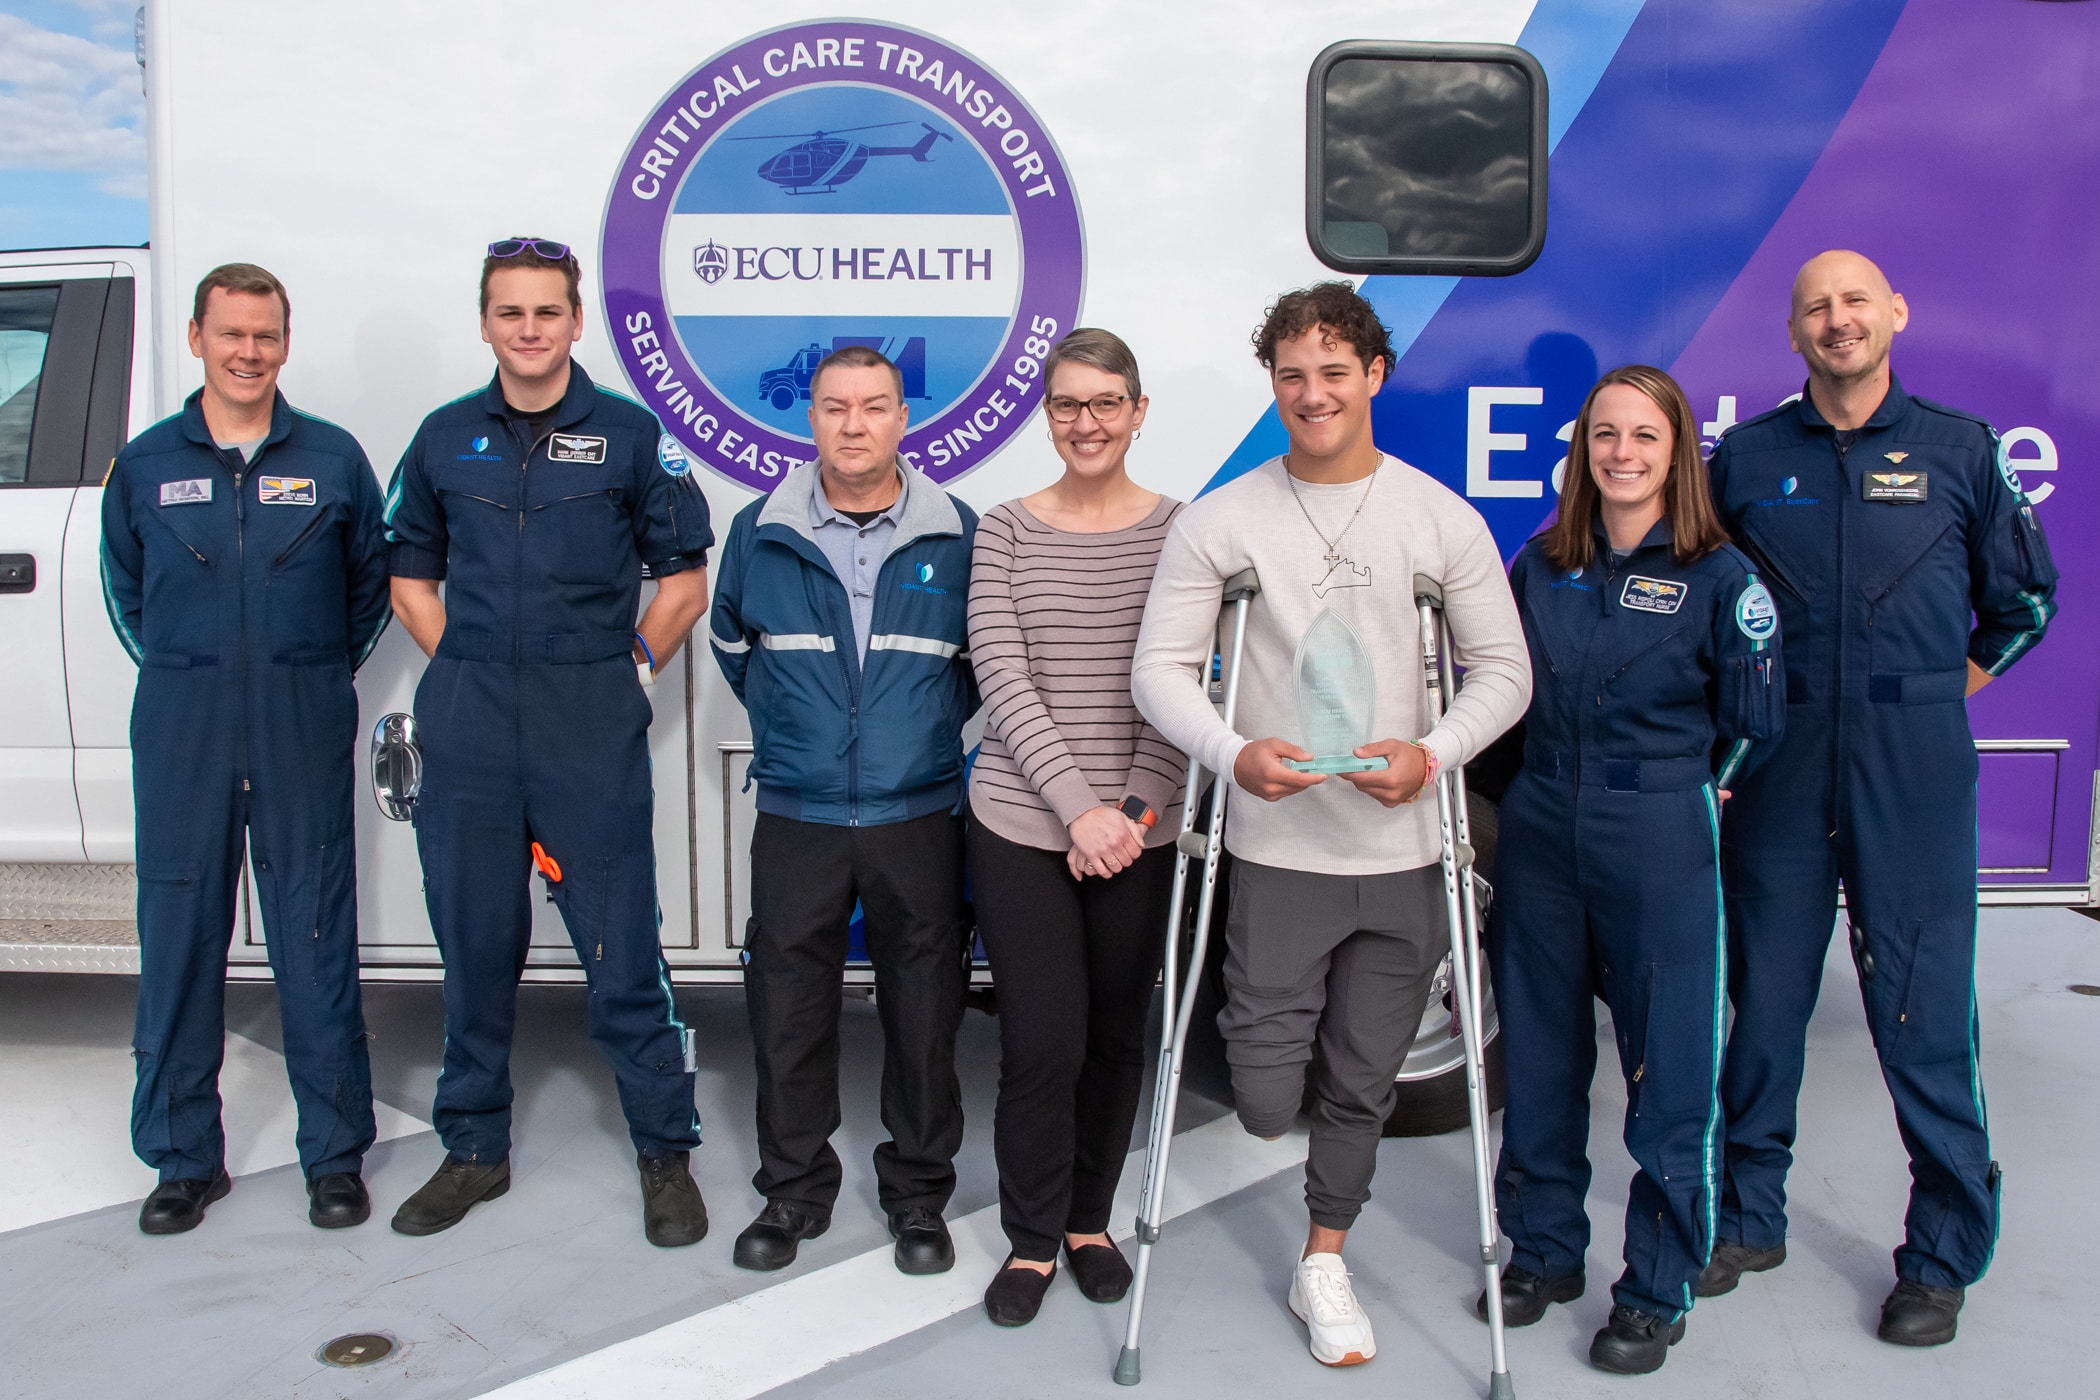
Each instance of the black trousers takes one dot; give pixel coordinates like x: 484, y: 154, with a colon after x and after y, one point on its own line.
x: 805, y: 877
x: 1074, y: 962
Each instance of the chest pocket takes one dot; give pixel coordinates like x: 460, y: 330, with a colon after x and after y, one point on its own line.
x: 576, y: 521
x: 1777, y: 559
x: 1917, y: 591
x: 1646, y: 647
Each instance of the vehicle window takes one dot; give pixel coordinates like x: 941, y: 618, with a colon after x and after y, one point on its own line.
x: 25, y: 333
x: 1427, y: 158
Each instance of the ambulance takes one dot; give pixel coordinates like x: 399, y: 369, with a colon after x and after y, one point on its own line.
x: 1530, y: 193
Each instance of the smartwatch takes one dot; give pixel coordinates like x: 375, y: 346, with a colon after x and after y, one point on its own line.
x: 1134, y: 808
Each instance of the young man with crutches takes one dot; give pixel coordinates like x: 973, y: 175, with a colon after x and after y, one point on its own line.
x: 1337, y: 918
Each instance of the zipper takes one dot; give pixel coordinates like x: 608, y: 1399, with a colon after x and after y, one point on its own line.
x: 312, y: 524
x: 1837, y: 798
x: 240, y: 541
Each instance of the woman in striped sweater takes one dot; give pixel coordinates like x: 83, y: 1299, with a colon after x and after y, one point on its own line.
x: 1074, y: 804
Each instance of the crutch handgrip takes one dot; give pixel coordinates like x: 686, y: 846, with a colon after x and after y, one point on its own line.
x: 1428, y: 590
x: 1241, y: 585
x: 1193, y: 844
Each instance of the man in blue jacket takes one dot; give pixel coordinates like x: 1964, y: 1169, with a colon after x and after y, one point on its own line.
x: 245, y: 572
x: 536, y: 501
x: 1909, y: 570
x: 838, y: 619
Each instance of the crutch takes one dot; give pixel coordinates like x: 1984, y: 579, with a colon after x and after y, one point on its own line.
x: 1180, y: 1001
x: 1462, y: 913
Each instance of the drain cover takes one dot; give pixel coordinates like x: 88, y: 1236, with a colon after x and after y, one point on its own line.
x: 357, y: 1349
x: 2085, y: 989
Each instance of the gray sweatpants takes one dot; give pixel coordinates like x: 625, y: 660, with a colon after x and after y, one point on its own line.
x: 1344, y: 961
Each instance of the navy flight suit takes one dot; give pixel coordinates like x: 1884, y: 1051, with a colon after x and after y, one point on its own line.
x: 248, y: 591
x: 535, y: 729
x: 1646, y: 677
x: 1880, y: 547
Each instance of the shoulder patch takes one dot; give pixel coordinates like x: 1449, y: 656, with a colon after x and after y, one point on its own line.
x: 1755, y: 615
x: 671, y: 457
x: 2006, y: 471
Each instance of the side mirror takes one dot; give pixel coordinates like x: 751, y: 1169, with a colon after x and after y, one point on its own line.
x: 397, y: 766
x: 1426, y: 158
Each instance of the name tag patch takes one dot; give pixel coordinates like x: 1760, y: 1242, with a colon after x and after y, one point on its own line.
x: 1894, y: 486
x: 284, y: 490
x: 1656, y: 595
x: 567, y: 447
x: 186, y: 493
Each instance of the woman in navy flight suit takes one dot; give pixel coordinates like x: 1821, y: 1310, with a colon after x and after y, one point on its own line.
x: 1655, y: 664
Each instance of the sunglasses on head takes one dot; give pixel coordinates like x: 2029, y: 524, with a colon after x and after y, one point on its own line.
x: 544, y: 247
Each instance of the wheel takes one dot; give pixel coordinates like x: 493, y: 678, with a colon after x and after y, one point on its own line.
x: 783, y: 397
x: 1432, y: 1080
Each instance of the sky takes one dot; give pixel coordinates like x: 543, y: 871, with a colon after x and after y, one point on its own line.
x: 72, y: 125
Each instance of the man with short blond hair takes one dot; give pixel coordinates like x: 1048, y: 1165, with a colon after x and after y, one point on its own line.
x: 839, y: 622
x: 245, y: 572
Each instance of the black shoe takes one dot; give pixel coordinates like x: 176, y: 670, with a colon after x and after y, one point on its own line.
x: 770, y: 1241
x: 1100, y: 1270
x: 444, y: 1200
x: 1730, y: 1262
x: 1016, y: 1292
x: 672, y: 1212
x: 337, y: 1200
x: 1919, y: 1315
x: 1634, y: 1343
x: 923, y: 1246
x: 1525, y: 1295
x: 179, y: 1205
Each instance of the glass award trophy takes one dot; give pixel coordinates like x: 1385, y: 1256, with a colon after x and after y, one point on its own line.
x: 1336, y: 695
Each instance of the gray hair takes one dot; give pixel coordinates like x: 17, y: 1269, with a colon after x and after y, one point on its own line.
x: 1102, y: 350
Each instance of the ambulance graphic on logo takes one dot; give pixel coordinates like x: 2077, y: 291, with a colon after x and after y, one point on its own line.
x: 830, y: 184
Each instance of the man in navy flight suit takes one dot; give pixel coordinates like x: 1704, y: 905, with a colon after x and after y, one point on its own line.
x: 537, y: 501
x: 1883, y: 523
x: 244, y: 570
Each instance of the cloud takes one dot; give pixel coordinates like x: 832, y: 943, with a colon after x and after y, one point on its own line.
x: 69, y: 103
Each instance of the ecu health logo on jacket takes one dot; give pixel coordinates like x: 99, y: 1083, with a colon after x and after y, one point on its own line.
x: 1656, y: 595
x: 835, y: 183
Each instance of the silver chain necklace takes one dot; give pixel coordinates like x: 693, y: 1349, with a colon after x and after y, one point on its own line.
x: 1333, y: 556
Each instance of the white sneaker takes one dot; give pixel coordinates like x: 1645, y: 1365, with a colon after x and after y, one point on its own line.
x: 1322, y: 1299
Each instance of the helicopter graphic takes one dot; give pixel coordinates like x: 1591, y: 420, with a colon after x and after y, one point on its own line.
x: 821, y: 161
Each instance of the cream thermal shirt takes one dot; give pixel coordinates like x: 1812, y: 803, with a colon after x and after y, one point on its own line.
x: 1409, y: 525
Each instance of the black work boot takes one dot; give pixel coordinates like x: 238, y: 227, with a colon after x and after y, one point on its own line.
x: 1526, y: 1294
x: 672, y: 1212
x: 1633, y: 1343
x: 770, y: 1241
x: 444, y: 1200
x: 923, y: 1245
x: 1730, y: 1262
x: 1919, y: 1315
x: 337, y: 1201
x: 178, y: 1205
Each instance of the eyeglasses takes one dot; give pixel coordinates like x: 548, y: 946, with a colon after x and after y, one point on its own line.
x: 544, y: 247
x: 1106, y: 408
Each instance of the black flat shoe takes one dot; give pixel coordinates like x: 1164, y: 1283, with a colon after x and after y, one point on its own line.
x: 1016, y: 1292
x: 1100, y: 1270
x: 1525, y: 1295
x: 672, y: 1212
x: 1633, y: 1343
x: 1730, y: 1261
x: 337, y: 1200
x: 923, y: 1246
x: 178, y: 1205
x: 770, y: 1242
x: 1919, y: 1315
x: 454, y: 1189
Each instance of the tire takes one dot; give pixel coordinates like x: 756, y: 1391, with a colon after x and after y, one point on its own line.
x: 1432, y: 1084
x: 783, y: 397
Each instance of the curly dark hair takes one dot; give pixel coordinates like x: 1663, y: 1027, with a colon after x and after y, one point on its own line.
x: 1334, y: 307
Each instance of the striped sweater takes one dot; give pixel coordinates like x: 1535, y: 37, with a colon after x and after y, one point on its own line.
x: 1053, y: 621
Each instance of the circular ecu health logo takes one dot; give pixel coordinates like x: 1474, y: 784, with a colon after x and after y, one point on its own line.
x: 830, y: 184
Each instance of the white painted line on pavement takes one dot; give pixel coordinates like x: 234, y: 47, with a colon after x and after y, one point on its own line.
x: 765, y: 1339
